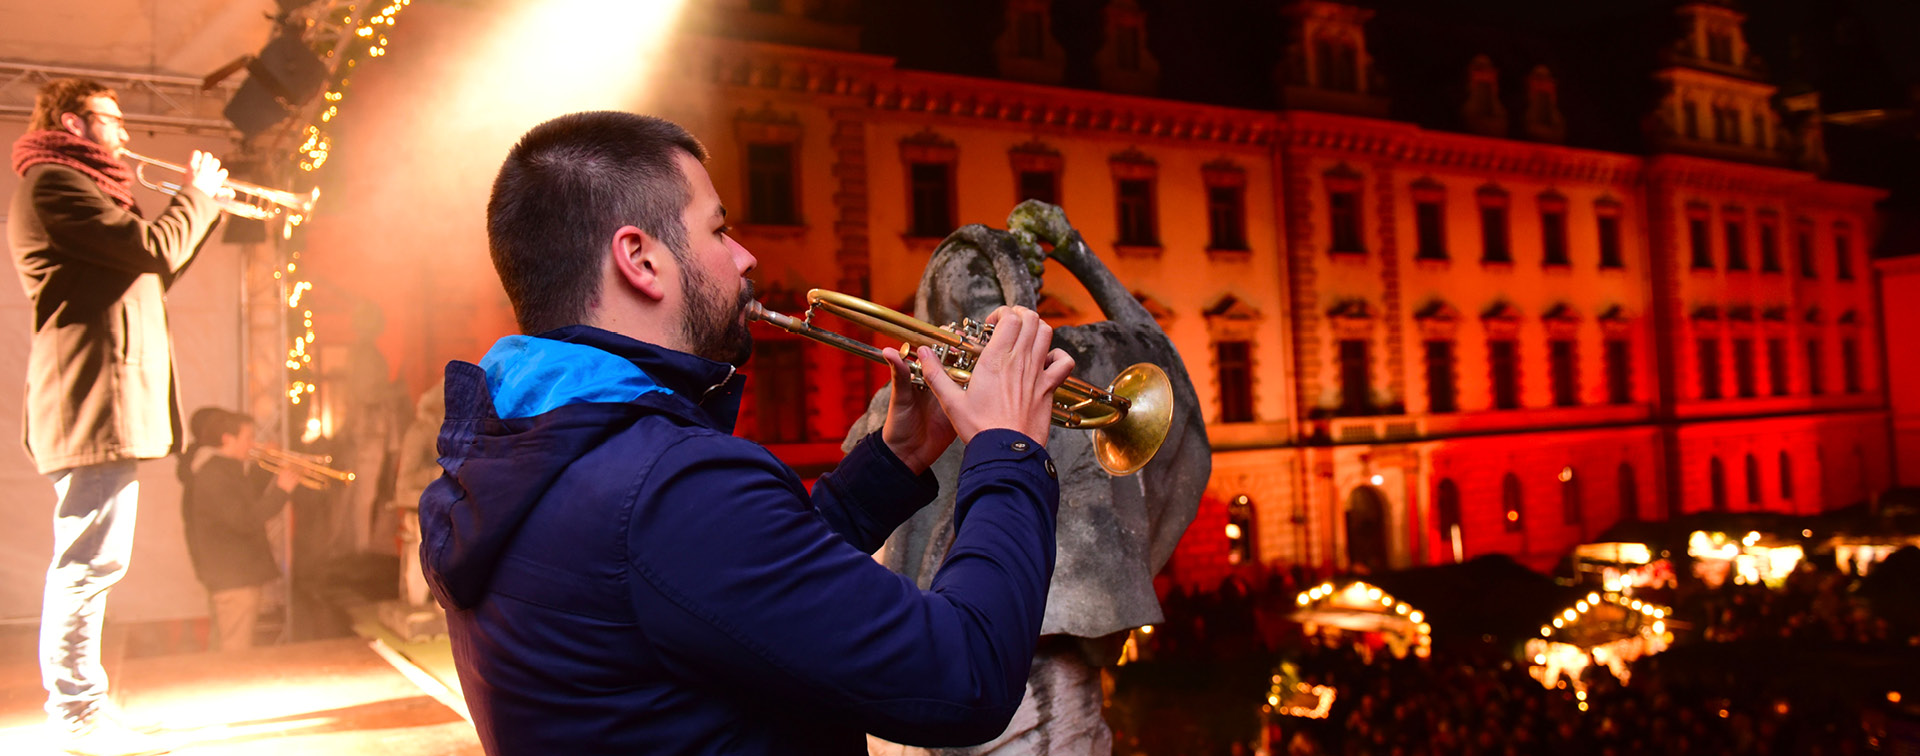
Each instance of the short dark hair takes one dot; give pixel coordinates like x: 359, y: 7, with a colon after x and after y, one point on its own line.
x: 562, y: 192
x: 212, y: 424
x: 64, y: 96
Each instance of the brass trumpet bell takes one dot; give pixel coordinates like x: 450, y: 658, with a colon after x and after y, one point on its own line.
x: 1129, y: 419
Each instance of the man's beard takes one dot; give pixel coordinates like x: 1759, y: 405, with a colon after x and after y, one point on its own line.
x: 715, y: 329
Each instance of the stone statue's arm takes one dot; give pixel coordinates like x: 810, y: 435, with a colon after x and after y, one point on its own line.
x: 1035, y: 220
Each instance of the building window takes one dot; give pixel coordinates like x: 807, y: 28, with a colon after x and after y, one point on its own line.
x: 1743, y: 377
x: 1040, y: 185
x: 1137, y: 213
x: 1753, y: 481
x: 1769, y: 247
x: 1786, y: 475
x: 1701, y: 244
x: 1450, y: 525
x: 1566, y: 376
x: 1344, y: 208
x: 1570, y: 513
x: 1717, y: 480
x: 932, y: 199
x: 1339, y: 65
x: 1610, y: 243
x: 770, y: 184
x: 1553, y: 237
x: 1127, y: 53
x: 1736, y: 244
x: 1690, y: 119
x: 1239, y: 533
x: 1777, y: 367
x: 1850, y: 363
x: 1842, y: 256
x: 1430, y: 225
x: 1803, y: 242
x: 1493, y: 234
x: 1511, y: 505
x: 1235, y: 363
x: 1355, y: 384
x: 1629, y: 493
x: 1030, y: 31
x: 1720, y: 47
x: 1619, y: 372
x: 1707, y: 358
x: 1816, y: 385
x: 1442, y: 394
x: 1503, y: 358
x: 1227, y: 217
x: 780, y: 404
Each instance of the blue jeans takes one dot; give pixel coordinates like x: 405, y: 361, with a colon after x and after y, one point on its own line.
x: 92, y: 543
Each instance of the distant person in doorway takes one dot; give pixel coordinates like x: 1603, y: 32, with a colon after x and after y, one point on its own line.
x: 226, y: 506
x: 100, y: 391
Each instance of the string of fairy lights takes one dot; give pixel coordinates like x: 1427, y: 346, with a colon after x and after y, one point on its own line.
x: 369, y: 40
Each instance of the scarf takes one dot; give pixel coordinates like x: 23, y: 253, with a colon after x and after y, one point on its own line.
x: 64, y: 149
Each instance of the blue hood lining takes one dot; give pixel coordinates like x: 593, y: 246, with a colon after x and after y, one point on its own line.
x: 529, y: 376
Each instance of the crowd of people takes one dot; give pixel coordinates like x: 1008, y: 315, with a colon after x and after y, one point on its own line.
x: 1722, y: 688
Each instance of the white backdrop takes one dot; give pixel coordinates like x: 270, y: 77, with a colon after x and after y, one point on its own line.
x: 204, y: 308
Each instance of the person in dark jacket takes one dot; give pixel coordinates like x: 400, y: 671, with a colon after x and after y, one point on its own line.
x: 100, y: 391
x: 622, y: 575
x: 225, y: 508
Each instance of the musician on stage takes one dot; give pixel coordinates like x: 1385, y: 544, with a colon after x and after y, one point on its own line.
x: 623, y: 575
x: 100, y: 392
x: 225, y: 503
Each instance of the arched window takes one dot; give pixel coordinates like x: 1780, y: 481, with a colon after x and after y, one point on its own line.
x: 1570, y: 513
x: 1629, y: 493
x: 1753, y: 481
x: 1514, y: 508
x: 1450, y: 527
x: 1718, y: 479
x: 1786, y: 475
x: 1240, y: 530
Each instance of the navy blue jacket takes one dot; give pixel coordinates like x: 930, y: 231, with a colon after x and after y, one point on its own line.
x: 623, y: 576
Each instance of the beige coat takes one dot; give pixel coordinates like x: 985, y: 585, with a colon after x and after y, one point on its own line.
x: 100, y: 376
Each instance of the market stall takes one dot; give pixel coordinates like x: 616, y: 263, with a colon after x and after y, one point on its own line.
x: 1605, y: 629
x: 1358, y: 613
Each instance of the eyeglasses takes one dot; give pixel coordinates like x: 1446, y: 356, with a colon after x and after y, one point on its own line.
x: 109, y: 118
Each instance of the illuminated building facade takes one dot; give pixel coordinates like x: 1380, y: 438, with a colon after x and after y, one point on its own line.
x: 1415, y: 343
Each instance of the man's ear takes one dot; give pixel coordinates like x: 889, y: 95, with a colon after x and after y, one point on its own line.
x: 73, y: 124
x: 640, y: 259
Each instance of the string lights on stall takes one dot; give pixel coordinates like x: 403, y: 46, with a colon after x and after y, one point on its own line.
x: 367, y: 40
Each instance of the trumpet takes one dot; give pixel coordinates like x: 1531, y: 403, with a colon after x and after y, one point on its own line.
x: 1129, y: 418
x: 248, y: 200
x: 311, y: 468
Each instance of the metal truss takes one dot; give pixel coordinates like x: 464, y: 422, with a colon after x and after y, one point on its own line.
x: 152, y: 102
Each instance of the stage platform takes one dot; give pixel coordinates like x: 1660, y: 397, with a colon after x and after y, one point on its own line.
x: 352, y: 695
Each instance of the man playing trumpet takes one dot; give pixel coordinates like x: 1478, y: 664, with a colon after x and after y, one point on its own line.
x: 100, y: 392
x: 623, y: 575
x: 225, y: 510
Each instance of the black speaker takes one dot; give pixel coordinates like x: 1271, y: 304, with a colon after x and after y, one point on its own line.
x: 254, y: 109
x: 289, y: 69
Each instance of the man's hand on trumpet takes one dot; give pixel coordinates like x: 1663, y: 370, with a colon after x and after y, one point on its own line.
x: 1012, y: 385
x: 205, y: 173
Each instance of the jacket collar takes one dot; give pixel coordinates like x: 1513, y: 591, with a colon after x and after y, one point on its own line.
x: 714, y: 387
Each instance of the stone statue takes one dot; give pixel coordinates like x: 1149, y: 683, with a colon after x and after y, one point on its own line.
x: 1114, y: 534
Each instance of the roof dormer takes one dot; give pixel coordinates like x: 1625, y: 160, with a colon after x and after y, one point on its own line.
x: 1326, y: 65
x: 1124, y: 62
x: 1027, y: 50
x: 1483, y: 112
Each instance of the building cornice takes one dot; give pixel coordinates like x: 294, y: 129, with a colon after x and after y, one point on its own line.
x: 875, y: 82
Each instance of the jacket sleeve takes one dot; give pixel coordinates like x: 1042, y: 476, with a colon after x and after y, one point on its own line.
x: 82, y: 222
x: 871, y: 493
x: 226, y: 495
x: 745, y: 586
